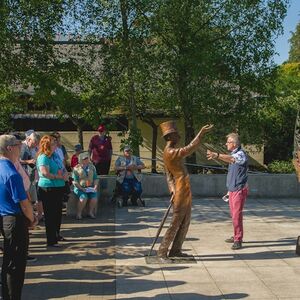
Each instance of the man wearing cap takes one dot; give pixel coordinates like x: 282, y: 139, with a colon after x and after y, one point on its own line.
x: 179, y: 186
x: 100, y: 150
x: 128, y: 168
x: 16, y: 214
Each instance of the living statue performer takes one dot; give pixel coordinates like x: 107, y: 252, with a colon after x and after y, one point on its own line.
x: 179, y: 185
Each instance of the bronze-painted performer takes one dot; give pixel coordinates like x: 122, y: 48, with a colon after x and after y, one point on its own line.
x: 179, y: 184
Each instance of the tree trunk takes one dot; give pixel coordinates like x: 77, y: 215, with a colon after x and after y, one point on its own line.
x: 130, y: 73
x: 154, y: 127
x: 79, y: 125
x: 187, y: 116
x: 189, y: 135
x: 80, y: 135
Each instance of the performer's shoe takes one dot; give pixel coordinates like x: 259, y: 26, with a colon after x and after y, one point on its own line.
x: 162, y: 258
x: 236, y: 245
x: 230, y: 240
x: 178, y: 254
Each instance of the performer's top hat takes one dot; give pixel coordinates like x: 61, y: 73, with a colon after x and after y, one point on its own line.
x: 168, y: 127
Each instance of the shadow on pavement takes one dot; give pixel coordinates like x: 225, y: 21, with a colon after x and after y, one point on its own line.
x: 191, y: 296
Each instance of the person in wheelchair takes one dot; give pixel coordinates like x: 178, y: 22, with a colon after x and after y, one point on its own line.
x: 128, y: 168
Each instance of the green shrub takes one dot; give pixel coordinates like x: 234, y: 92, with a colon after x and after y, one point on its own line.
x: 281, y: 166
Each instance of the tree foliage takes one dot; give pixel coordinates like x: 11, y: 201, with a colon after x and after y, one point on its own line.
x: 214, y: 58
x: 279, y: 118
x: 205, y: 61
x: 10, y: 103
x: 294, y: 53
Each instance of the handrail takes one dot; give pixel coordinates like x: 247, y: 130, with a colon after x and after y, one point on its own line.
x: 197, y: 165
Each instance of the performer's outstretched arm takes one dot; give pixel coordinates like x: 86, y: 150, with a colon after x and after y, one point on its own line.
x: 193, y: 145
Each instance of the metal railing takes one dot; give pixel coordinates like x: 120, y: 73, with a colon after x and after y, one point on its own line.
x: 204, y: 167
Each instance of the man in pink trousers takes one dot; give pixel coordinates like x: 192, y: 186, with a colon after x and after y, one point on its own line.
x: 236, y: 183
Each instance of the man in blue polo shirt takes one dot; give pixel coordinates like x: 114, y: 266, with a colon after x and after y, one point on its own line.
x: 236, y: 183
x: 16, y: 215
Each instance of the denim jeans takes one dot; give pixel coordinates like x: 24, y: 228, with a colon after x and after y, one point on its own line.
x: 131, y: 186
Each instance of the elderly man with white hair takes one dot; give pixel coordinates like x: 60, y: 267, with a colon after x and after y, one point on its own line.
x: 237, y: 184
x: 16, y: 215
x: 28, y: 162
x: 28, y: 151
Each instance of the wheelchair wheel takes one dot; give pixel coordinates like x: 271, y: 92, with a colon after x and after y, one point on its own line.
x: 142, y: 202
x: 120, y: 203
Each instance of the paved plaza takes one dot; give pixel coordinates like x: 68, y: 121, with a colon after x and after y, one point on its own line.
x: 105, y: 258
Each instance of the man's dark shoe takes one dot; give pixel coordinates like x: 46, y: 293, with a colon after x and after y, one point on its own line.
x: 230, y: 240
x: 56, y: 245
x: 31, y: 258
x: 61, y: 238
x: 236, y: 245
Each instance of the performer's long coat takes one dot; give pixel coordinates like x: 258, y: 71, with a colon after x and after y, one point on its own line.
x: 178, y: 182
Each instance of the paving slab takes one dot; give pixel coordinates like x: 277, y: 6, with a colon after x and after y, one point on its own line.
x: 105, y: 258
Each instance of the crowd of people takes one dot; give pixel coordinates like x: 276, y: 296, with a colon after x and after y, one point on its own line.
x: 35, y: 181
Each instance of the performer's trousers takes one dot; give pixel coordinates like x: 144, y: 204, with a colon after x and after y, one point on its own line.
x: 15, y: 234
x: 177, y: 231
x: 236, y: 203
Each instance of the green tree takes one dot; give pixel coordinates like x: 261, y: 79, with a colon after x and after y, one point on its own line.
x: 47, y: 47
x: 118, y: 23
x: 10, y: 103
x: 215, y: 56
x: 294, y: 53
x: 279, y: 118
x: 27, y: 31
x: 72, y: 86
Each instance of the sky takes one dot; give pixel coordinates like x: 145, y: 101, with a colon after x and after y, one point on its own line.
x: 282, y: 45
